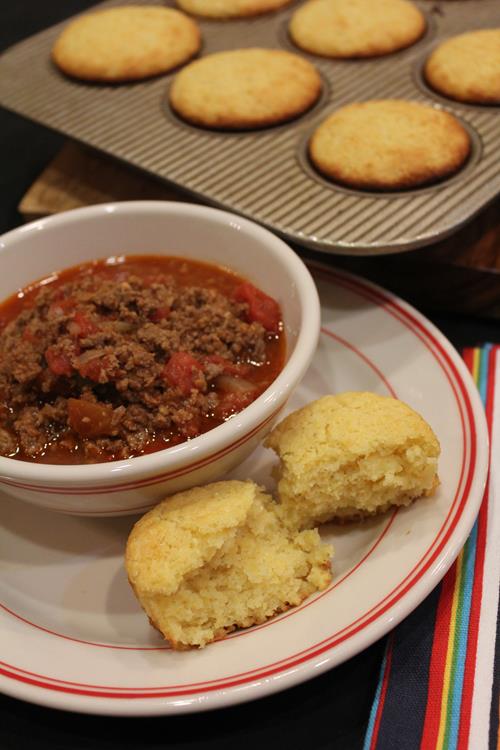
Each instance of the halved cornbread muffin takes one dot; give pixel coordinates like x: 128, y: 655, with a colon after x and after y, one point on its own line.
x: 214, y: 558
x: 350, y: 456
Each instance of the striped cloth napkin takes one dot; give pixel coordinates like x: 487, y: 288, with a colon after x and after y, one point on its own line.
x: 439, y: 683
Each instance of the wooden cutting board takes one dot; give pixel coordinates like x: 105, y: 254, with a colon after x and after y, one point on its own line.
x: 458, y: 274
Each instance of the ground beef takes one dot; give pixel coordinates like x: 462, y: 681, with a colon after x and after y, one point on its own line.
x: 102, y: 367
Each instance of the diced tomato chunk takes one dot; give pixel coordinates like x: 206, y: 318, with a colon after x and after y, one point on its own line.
x: 57, y: 361
x: 261, y: 308
x: 161, y: 313
x: 97, y: 369
x: 81, y: 325
x: 88, y: 419
x: 229, y: 368
x: 180, y: 371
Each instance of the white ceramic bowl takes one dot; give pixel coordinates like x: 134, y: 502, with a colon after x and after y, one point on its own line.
x: 148, y: 227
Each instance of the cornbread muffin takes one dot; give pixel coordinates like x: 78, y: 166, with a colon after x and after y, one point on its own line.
x: 350, y: 456
x: 126, y: 43
x: 467, y: 67
x: 248, y: 88
x: 231, y: 8
x: 356, y: 28
x: 389, y: 144
x: 215, y: 558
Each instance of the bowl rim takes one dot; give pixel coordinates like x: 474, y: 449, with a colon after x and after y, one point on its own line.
x: 265, y: 406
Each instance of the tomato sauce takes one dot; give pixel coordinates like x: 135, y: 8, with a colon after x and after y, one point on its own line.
x: 124, y: 356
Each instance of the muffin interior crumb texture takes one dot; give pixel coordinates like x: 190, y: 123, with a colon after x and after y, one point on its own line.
x: 350, y: 456
x: 215, y: 558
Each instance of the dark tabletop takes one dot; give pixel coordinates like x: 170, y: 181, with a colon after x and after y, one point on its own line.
x: 330, y: 711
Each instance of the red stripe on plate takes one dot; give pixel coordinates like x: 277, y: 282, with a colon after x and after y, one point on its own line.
x: 365, y: 359
x: 167, y: 648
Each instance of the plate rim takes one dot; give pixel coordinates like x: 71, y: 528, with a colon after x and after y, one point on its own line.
x: 270, y: 679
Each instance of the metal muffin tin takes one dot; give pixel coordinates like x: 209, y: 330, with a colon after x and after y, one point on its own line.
x: 266, y: 174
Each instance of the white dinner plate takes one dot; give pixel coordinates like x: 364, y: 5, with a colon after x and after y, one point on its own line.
x: 72, y: 635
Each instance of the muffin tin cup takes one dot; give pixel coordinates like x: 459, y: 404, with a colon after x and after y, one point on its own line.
x: 176, y: 120
x: 266, y: 174
x: 433, y: 94
x: 468, y: 167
